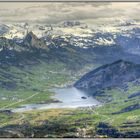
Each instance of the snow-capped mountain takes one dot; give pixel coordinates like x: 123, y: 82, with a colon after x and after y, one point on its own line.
x: 121, y: 32
x: 20, y: 30
x: 68, y: 43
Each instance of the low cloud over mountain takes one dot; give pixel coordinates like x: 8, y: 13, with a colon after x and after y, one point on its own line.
x: 57, y: 12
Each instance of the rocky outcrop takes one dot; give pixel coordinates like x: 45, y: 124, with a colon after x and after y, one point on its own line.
x: 32, y: 41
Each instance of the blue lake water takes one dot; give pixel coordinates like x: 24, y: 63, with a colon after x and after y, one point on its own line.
x: 68, y: 97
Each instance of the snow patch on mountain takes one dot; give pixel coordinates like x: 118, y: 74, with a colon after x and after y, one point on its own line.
x: 103, y: 41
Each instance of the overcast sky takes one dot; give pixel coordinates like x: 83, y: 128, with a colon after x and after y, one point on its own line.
x: 57, y: 12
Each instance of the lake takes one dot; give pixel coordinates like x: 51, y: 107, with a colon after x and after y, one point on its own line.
x: 68, y: 97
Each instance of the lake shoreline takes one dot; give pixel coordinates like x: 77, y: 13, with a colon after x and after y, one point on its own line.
x: 63, y: 98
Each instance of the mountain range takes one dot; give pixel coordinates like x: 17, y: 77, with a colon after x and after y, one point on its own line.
x: 76, y: 51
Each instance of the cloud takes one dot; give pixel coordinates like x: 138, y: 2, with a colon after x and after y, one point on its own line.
x: 54, y: 12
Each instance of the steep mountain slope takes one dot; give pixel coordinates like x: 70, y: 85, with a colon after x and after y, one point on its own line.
x: 112, y: 75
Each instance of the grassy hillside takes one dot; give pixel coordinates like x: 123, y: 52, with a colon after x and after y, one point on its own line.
x: 104, y: 121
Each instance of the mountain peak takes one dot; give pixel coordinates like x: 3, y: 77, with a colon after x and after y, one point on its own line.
x: 31, y: 40
x: 30, y: 36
